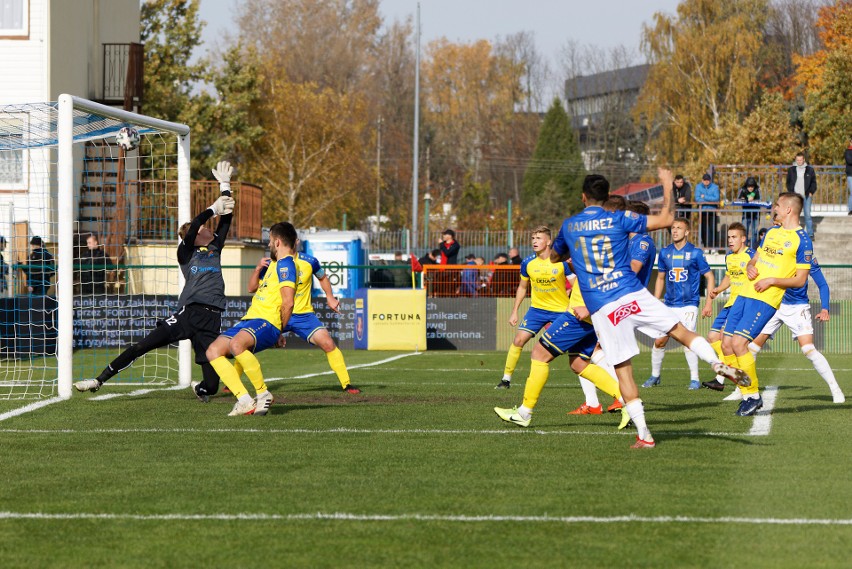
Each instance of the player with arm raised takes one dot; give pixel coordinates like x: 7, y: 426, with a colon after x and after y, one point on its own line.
x: 305, y: 324
x: 616, y: 299
x: 200, y: 306
x: 782, y: 262
x: 274, y: 286
x: 679, y: 271
x: 735, y: 277
x: 548, y: 300
x: 795, y: 312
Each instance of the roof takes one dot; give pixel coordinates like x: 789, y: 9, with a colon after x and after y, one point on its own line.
x: 632, y: 188
x: 615, y: 81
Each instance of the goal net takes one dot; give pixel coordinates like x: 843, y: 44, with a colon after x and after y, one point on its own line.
x: 89, y: 234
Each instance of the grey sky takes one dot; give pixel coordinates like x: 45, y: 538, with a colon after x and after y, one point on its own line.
x: 602, y: 23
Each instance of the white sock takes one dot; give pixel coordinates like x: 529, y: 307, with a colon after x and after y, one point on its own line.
x: 590, y: 391
x: 637, y: 415
x: 507, y: 377
x: 692, y: 363
x: 821, y: 365
x: 525, y: 412
x: 246, y: 398
x: 704, y: 350
x: 755, y: 349
x: 657, y: 355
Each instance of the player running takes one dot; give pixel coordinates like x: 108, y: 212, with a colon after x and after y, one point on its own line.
x: 735, y: 277
x: 679, y: 271
x: 598, y: 243
x: 782, y: 262
x: 202, y: 300
x: 548, y: 299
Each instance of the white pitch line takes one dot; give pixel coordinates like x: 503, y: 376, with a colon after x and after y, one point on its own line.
x: 763, y: 418
x: 28, y: 408
x: 348, y: 430
x: 145, y: 391
x: 348, y: 517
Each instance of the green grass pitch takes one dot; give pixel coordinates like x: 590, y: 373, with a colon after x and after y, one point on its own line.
x: 418, y: 471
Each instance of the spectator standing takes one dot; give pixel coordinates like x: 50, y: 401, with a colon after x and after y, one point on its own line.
x: 401, y: 275
x: 500, y: 282
x: 848, y: 156
x: 682, y: 197
x: 707, y: 196
x: 93, y: 267
x: 449, y: 247
x: 4, y: 268
x: 40, y: 268
x: 750, y: 192
x: 801, y: 179
x: 469, y: 277
x: 515, y: 256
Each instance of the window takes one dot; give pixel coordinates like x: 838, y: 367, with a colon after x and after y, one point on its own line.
x: 15, y: 19
x: 13, y: 174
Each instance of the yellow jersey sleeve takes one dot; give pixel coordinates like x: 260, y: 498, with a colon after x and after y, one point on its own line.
x: 266, y: 302
x: 306, y: 267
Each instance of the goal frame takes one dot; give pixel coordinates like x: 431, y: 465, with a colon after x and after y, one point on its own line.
x: 65, y: 226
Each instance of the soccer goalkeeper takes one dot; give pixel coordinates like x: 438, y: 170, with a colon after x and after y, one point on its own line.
x: 200, y: 306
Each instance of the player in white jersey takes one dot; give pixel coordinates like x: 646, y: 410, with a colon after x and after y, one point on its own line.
x: 618, y: 301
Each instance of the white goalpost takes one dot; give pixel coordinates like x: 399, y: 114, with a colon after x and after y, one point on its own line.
x: 89, y: 242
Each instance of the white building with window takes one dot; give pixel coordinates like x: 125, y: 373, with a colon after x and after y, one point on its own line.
x: 87, y: 48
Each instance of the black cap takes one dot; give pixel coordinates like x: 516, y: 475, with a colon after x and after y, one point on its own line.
x: 37, y: 241
x: 706, y: 177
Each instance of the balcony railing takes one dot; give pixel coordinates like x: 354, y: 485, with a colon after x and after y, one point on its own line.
x: 122, y: 75
x: 157, y: 219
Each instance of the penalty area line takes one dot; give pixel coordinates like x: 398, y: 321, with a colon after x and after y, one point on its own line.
x: 427, y: 518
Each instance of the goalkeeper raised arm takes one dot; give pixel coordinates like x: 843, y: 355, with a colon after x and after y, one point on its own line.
x: 200, y: 306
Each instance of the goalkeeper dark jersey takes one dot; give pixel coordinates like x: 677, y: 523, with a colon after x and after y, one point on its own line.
x: 202, y: 266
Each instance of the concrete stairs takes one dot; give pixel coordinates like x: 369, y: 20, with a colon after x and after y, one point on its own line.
x: 833, y: 246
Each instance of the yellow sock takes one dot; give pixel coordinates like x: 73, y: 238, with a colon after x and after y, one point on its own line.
x: 512, y: 359
x: 602, y: 380
x: 251, y: 367
x: 748, y: 365
x: 336, y: 363
x: 238, y: 367
x: 229, y: 376
x: 539, y: 371
x: 717, y: 347
x: 730, y: 360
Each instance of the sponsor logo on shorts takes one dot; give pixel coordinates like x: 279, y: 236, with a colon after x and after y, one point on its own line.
x: 624, y: 311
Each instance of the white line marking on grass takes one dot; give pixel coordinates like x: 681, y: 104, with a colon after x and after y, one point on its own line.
x: 108, y: 396
x: 348, y: 430
x: 28, y: 408
x: 343, y: 516
x: 763, y: 418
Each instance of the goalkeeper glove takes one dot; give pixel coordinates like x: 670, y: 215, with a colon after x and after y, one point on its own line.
x: 223, y: 206
x: 223, y: 172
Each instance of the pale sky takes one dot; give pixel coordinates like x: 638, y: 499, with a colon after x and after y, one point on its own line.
x: 602, y: 23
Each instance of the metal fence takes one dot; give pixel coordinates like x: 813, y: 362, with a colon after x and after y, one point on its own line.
x: 831, y: 195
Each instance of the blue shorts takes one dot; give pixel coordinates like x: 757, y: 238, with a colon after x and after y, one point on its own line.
x: 535, y: 319
x: 304, y: 325
x: 264, y: 333
x: 719, y: 323
x: 747, y: 317
x: 569, y: 335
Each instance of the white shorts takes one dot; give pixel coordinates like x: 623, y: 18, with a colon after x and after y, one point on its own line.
x: 616, y: 321
x: 688, y: 316
x: 797, y: 317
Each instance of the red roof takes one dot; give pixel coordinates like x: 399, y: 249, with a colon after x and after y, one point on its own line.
x: 632, y: 188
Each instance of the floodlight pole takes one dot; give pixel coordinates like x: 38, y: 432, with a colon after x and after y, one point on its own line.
x: 415, y: 174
